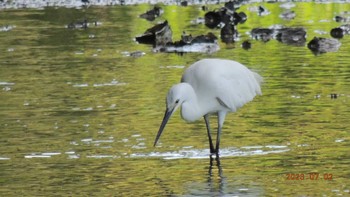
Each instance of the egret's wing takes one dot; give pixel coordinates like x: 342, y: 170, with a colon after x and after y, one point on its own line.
x: 223, y: 82
x: 236, y: 88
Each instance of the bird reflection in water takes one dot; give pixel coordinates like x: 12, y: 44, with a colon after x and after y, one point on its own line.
x: 216, y: 183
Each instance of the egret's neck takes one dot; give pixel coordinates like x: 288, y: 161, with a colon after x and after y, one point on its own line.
x: 190, y: 110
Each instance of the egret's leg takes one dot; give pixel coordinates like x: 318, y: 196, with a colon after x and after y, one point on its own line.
x: 206, y: 118
x: 221, y: 120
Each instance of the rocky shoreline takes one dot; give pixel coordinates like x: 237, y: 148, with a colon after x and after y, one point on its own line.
x: 21, y: 4
x: 40, y: 4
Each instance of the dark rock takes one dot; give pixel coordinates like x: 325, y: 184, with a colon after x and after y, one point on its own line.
x: 227, y: 19
x: 323, y: 45
x: 225, y: 16
x: 239, y: 17
x: 202, y: 43
x: 292, y: 36
x: 150, y: 15
x: 209, y: 38
x: 164, y: 36
x: 184, y: 3
x: 339, y: 19
x: 137, y: 54
x: 228, y: 33
x: 343, y: 18
x: 230, y: 5
x: 212, y: 19
x: 186, y: 38
x: 158, y: 35
x: 246, y: 45
x: 337, y: 32
x: 288, y: 15
x: 262, y: 11
x: 287, y: 35
x: 263, y: 34
x: 78, y: 25
x: 133, y: 54
x: 334, y: 96
x: 82, y: 24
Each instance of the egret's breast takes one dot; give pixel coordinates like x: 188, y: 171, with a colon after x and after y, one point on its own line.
x: 190, y: 113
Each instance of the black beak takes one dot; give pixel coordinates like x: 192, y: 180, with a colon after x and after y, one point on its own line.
x: 167, y: 115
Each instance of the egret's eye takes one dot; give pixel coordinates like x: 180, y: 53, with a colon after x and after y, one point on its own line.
x: 177, y: 101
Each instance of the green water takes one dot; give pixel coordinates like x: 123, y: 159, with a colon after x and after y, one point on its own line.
x: 78, y: 117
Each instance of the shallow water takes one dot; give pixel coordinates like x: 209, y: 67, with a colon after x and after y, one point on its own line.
x: 78, y: 116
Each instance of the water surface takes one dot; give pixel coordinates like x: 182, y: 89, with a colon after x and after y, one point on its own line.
x: 78, y: 116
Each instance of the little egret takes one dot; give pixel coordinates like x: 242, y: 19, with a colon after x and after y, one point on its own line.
x: 211, y: 86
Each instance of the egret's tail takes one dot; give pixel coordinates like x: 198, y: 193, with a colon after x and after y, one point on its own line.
x: 258, y: 78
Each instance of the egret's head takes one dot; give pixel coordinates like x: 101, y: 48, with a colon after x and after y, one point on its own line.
x: 176, y: 96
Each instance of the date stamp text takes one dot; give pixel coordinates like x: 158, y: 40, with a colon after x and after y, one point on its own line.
x: 309, y: 176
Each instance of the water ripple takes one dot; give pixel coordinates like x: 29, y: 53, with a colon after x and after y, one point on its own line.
x: 41, y: 155
x: 111, y: 83
x: 4, y: 83
x: 204, y: 153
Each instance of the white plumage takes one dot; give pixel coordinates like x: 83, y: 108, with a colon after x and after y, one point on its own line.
x: 211, y: 86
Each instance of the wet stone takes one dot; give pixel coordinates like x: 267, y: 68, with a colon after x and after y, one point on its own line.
x: 320, y: 45
x: 151, y: 15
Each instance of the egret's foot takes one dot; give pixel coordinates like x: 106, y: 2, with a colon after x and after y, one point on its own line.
x: 214, y: 152
x: 217, y: 153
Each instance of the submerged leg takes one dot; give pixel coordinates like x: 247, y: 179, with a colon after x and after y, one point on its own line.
x: 206, y: 118
x: 221, y: 119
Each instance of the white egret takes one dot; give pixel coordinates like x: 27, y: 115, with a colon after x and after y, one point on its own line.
x: 211, y: 86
